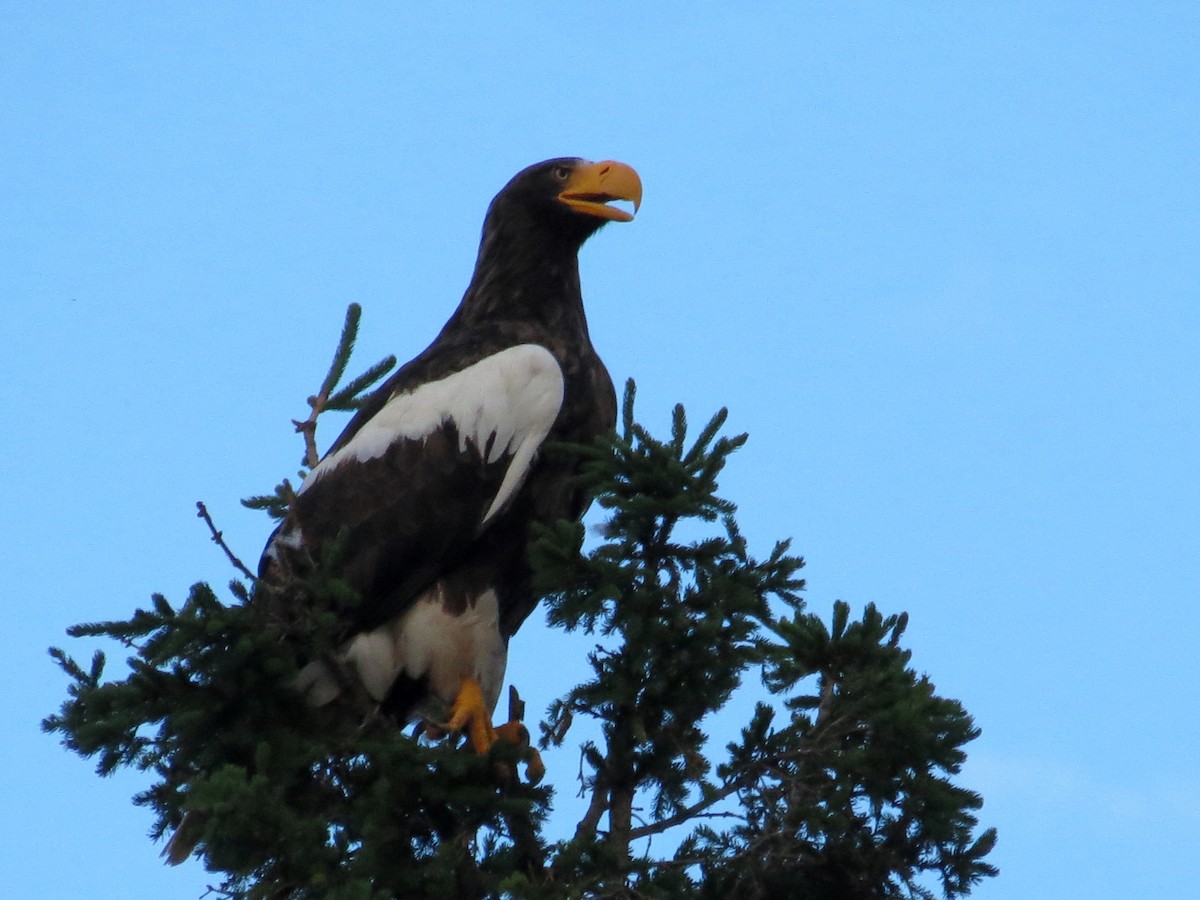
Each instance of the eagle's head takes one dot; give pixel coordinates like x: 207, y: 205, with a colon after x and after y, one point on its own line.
x: 566, y: 199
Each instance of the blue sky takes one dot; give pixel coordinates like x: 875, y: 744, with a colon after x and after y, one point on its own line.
x: 940, y: 260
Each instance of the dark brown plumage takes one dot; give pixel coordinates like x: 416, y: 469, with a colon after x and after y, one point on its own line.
x: 437, y: 480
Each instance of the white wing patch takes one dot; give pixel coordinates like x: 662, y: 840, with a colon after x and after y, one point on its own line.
x: 503, y: 404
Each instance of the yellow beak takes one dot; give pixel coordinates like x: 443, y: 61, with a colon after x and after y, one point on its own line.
x: 593, y: 185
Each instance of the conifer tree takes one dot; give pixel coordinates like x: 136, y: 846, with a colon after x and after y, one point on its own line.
x: 841, y: 785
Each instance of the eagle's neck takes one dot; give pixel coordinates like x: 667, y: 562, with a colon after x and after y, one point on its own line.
x: 525, y: 276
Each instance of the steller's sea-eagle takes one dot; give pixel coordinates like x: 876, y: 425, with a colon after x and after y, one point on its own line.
x: 437, y: 482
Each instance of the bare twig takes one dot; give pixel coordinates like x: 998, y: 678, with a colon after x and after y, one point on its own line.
x: 345, y: 399
x: 308, y: 428
x: 596, y: 808
x: 759, y: 768
x: 827, y: 686
x: 696, y: 809
x: 219, y: 540
x: 317, y: 402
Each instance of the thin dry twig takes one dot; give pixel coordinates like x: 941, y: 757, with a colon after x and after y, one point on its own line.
x: 597, y: 807
x: 219, y: 540
x: 308, y: 428
x: 696, y: 810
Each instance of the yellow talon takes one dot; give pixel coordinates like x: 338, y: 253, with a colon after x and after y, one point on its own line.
x: 470, y: 715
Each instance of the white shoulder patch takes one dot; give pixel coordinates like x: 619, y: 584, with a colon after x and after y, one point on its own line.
x: 504, y: 404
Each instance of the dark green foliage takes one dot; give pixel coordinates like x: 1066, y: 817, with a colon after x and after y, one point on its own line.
x: 851, y: 796
x: 284, y: 799
x: 686, y: 615
x: 838, y: 787
x: 848, y: 797
x: 321, y: 803
x: 349, y: 397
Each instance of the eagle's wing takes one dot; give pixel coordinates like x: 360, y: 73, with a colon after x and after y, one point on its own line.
x: 424, y: 475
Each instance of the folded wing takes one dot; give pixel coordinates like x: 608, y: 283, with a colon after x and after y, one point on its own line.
x: 417, y: 482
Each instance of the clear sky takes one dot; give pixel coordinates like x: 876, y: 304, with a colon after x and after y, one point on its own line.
x: 942, y: 261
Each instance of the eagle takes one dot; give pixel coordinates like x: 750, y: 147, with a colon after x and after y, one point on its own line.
x: 436, y: 485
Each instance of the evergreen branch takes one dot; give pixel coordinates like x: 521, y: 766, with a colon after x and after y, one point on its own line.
x: 316, y: 403
x: 347, y: 398
x: 743, y: 776
x: 850, y: 796
x: 275, y: 505
x: 345, y: 347
x: 691, y: 812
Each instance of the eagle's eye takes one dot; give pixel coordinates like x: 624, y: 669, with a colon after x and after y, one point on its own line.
x: 562, y: 173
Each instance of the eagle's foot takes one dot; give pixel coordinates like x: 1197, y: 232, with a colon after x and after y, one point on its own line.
x: 469, y: 715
